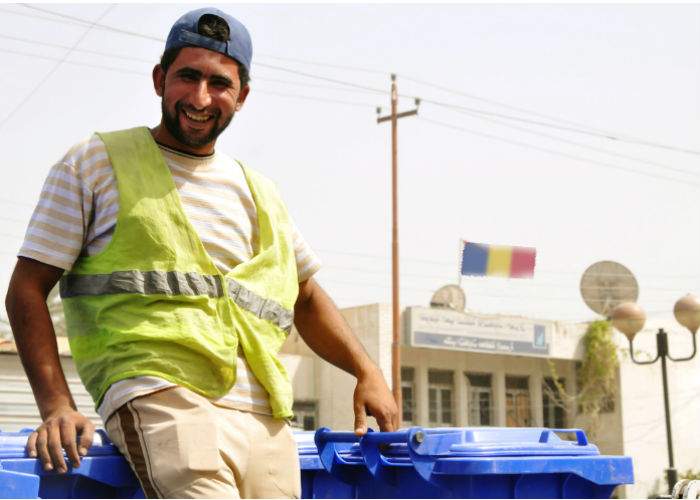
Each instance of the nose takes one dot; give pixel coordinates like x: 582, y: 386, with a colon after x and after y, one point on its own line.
x: 201, y: 97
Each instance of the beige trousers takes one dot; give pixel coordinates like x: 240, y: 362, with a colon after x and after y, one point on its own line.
x: 180, y: 445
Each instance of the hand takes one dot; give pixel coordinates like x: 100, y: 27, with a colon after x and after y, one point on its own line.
x: 373, y: 396
x: 59, y: 432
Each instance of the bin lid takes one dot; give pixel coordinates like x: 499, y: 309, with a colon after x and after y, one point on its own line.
x: 437, y: 452
x: 503, y: 442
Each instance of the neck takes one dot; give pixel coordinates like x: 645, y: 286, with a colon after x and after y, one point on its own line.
x: 162, y: 136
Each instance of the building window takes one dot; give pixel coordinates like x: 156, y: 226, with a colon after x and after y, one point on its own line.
x: 408, y: 391
x: 305, y: 415
x: 552, y: 410
x: 480, y: 398
x: 440, y: 405
x: 517, y: 402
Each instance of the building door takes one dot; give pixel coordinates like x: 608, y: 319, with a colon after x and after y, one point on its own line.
x: 408, y: 391
x: 440, y: 400
x: 479, y: 399
x: 518, y: 412
x: 552, y: 409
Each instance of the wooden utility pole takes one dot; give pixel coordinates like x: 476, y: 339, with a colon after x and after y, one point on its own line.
x: 395, y: 316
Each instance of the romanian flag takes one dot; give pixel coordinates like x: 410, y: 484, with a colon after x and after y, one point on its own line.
x: 479, y: 259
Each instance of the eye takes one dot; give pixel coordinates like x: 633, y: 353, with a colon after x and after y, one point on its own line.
x: 220, y: 84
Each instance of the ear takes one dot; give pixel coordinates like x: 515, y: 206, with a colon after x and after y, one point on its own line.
x: 158, y: 80
x: 242, y: 96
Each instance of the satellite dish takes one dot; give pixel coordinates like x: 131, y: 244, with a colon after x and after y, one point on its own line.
x: 449, y: 297
x: 606, y: 284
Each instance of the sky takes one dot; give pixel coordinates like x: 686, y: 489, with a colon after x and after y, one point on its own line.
x: 574, y: 129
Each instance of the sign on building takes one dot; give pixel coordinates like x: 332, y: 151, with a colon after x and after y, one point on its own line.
x: 446, y: 329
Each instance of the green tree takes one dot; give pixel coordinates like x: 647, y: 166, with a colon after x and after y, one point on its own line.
x: 596, y: 376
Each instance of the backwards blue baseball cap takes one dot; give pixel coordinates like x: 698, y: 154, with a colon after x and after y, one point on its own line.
x: 185, y: 33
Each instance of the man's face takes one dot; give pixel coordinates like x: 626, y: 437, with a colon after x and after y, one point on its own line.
x: 200, y: 94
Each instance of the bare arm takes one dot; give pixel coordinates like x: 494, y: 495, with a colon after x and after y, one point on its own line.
x: 34, y: 335
x: 324, y: 329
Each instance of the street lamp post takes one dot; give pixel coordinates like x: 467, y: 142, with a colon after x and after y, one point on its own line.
x: 629, y: 318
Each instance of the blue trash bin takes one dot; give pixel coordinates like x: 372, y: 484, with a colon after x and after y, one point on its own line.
x: 316, y: 481
x: 103, y: 473
x: 479, y: 462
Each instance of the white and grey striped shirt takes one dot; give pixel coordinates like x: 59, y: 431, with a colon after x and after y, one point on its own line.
x: 77, y: 214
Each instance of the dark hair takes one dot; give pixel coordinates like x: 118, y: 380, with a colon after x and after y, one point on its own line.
x: 213, y: 27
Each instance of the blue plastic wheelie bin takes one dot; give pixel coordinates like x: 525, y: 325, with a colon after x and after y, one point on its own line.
x: 103, y: 473
x: 479, y: 462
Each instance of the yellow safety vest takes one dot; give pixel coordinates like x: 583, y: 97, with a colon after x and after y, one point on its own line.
x: 152, y: 302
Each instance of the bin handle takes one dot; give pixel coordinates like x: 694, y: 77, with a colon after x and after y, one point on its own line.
x: 581, y: 438
x: 372, y: 445
x: 329, y: 445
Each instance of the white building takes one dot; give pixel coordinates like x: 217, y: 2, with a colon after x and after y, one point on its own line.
x: 468, y: 369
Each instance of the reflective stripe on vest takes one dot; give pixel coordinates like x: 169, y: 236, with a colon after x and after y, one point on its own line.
x: 175, y: 283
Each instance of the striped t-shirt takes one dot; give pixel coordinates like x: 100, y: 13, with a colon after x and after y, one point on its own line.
x: 77, y: 214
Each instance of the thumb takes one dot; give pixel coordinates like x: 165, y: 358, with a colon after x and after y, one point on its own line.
x: 360, y: 420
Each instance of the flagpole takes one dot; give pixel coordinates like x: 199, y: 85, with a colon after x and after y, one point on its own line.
x: 459, y: 260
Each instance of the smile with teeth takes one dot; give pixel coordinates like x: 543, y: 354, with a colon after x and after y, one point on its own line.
x: 197, y: 117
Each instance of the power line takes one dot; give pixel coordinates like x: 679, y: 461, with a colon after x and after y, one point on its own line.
x: 498, y: 103
x: 559, y: 127
x: 317, y: 77
x: 317, y: 99
x: 158, y: 39
x: 577, y: 129
x: 581, y: 145
x: 51, y: 72
x: 151, y: 61
x: 80, y: 21
x: 86, y: 51
x: 559, y: 153
x: 96, y: 24
x: 44, y: 18
x: 128, y: 71
x: 528, y: 284
x: 312, y: 85
x: 74, y: 63
x: 455, y: 266
x: 315, y: 63
x: 473, y: 294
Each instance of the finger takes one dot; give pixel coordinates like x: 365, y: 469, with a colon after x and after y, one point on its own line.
x: 42, y: 448
x: 68, y: 441
x: 385, y: 422
x: 87, y: 431
x: 31, y: 444
x: 360, y: 420
x: 55, y: 449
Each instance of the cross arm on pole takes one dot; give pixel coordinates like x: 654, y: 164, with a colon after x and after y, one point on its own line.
x: 403, y: 114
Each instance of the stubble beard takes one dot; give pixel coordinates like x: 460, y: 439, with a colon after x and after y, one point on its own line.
x: 172, y: 124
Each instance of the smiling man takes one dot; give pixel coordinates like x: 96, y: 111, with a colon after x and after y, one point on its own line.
x: 181, y: 276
